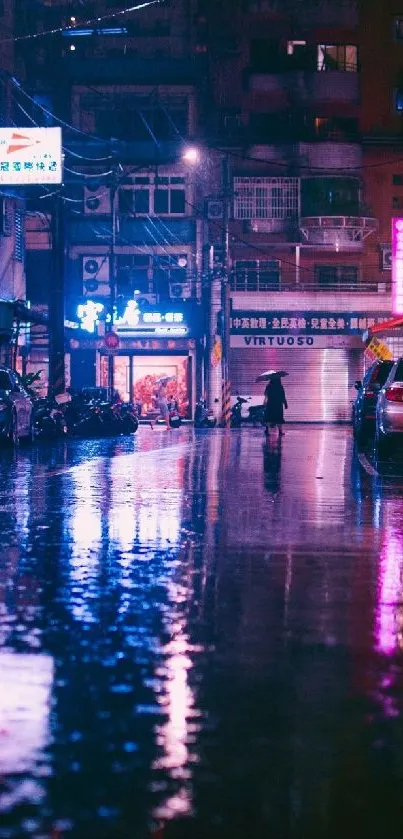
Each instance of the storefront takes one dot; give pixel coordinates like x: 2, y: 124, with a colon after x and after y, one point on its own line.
x: 151, y: 345
x: 322, y: 352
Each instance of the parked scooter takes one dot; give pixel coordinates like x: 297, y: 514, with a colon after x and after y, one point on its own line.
x: 236, y: 412
x: 49, y: 420
x: 204, y: 417
x: 256, y: 414
x: 175, y: 420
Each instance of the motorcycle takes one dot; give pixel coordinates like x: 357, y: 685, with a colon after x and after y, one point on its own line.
x: 175, y: 420
x: 256, y: 414
x: 236, y: 412
x: 204, y: 417
x: 49, y: 419
x: 129, y: 415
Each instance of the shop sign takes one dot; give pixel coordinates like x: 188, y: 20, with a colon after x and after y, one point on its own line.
x: 376, y: 349
x: 397, y: 266
x: 134, y: 321
x: 287, y: 342
x: 30, y: 156
x: 302, y: 323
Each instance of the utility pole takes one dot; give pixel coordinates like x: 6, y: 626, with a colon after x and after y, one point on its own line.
x: 112, y: 278
x: 57, y: 380
x: 225, y: 294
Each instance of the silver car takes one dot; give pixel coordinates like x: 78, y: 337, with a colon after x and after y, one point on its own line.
x: 16, y: 416
x: 389, y: 409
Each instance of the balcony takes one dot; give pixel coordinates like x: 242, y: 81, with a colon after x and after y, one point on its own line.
x: 307, y: 13
x: 340, y: 232
x: 306, y: 88
x: 244, y: 284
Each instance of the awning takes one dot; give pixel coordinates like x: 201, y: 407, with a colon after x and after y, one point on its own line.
x: 24, y: 314
x: 393, y: 323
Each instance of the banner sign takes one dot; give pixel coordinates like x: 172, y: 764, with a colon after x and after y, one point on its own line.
x: 302, y: 323
x: 30, y: 156
x: 397, y: 266
x: 290, y: 342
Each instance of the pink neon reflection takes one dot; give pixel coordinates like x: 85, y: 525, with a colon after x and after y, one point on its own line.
x: 389, y: 594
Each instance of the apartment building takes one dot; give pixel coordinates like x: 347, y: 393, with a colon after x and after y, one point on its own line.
x: 307, y: 275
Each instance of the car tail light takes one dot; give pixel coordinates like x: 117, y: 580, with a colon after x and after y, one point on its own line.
x: 394, y: 394
x: 369, y: 394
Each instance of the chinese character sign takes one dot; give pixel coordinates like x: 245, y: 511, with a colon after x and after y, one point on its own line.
x: 30, y: 156
x: 397, y: 266
x: 303, y: 323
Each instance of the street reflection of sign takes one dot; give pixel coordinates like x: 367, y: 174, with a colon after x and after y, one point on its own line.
x: 397, y: 266
x: 302, y: 323
x: 30, y: 156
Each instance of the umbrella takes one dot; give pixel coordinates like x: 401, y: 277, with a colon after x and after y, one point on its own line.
x: 165, y: 380
x: 269, y: 374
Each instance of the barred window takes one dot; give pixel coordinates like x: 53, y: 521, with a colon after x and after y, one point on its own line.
x: 266, y: 198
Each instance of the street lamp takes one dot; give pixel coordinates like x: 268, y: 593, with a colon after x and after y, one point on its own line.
x: 191, y: 154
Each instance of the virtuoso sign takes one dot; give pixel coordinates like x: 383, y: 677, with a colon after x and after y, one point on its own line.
x: 397, y: 266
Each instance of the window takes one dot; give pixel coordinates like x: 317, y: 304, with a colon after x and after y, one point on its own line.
x: 154, y: 195
x: 397, y: 180
x: 398, y: 28
x: 266, y: 198
x: 338, y: 57
x: 256, y: 275
x: 336, y: 275
x: 398, y: 97
x: 147, y: 272
x: 397, y: 202
x: 330, y: 196
x: 136, y: 116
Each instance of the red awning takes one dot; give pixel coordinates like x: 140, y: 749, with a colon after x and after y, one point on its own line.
x: 393, y: 323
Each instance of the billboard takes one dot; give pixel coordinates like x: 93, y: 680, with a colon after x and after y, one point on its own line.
x: 30, y: 156
x: 397, y: 266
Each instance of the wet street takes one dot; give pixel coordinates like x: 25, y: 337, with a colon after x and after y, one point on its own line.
x: 201, y: 636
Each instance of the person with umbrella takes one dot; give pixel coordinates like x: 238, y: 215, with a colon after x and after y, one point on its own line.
x: 274, y: 400
x: 162, y: 402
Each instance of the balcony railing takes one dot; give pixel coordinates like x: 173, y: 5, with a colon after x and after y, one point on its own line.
x: 247, y: 284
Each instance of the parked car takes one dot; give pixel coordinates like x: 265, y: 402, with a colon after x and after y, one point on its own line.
x: 364, y: 407
x: 389, y: 410
x: 16, y: 414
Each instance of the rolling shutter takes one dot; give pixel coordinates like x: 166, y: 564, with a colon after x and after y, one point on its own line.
x: 320, y: 385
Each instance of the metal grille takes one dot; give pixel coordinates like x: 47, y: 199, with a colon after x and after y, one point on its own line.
x: 266, y: 198
x: 19, y: 237
x: 256, y: 275
x: 320, y: 385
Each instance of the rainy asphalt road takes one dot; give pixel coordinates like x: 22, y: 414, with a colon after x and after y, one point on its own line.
x: 204, y: 633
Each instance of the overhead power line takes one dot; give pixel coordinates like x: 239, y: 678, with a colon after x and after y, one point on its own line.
x: 57, y: 30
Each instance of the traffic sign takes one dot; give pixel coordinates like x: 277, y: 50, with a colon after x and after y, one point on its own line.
x: 111, y: 341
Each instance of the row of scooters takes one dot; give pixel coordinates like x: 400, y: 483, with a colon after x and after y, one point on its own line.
x: 87, y: 414
x: 83, y: 415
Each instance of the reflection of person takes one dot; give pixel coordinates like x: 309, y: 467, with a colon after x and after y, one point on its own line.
x: 271, y: 466
x: 274, y: 402
x: 162, y: 406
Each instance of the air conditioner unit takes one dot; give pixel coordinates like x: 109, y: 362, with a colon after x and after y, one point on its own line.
x: 180, y: 291
x: 215, y: 210
x: 96, y: 276
x: 386, y: 257
x: 97, y: 200
x: 144, y: 301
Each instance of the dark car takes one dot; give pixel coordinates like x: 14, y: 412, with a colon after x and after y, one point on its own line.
x: 16, y: 415
x: 364, y: 408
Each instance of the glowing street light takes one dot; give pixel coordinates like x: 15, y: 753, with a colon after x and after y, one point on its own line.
x: 191, y: 155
